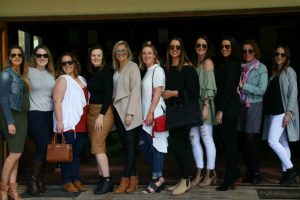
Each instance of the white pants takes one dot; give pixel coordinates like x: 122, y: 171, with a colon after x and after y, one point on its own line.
x: 278, y: 141
x: 205, y: 132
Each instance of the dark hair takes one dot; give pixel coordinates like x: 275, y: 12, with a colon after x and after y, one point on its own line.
x: 286, y: 64
x: 183, y: 56
x: 50, y: 65
x: 150, y: 45
x: 89, y: 63
x: 255, y: 47
x: 23, y: 66
x: 235, y: 53
x: 76, y: 64
x: 209, y: 51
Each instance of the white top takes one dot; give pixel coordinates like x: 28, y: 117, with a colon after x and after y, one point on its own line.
x: 72, y: 104
x: 160, y: 141
x: 116, y: 77
x: 42, y: 84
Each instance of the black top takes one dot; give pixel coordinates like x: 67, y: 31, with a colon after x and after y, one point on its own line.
x: 185, y: 81
x: 228, y: 73
x: 100, y: 87
x: 272, y: 101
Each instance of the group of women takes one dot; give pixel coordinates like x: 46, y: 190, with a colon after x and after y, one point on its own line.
x: 230, y: 94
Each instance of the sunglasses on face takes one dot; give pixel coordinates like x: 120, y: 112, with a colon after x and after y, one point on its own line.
x: 66, y: 63
x: 13, y: 55
x: 121, y: 51
x: 204, y: 46
x: 227, y: 46
x: 245, y: 51
x: 42, y: 55
x: 282, y: 55
x: 175, y: 47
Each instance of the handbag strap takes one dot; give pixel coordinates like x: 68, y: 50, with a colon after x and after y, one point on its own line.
x: 54, y: 138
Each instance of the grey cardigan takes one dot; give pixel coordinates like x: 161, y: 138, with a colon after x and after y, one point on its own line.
x: 289, y: 92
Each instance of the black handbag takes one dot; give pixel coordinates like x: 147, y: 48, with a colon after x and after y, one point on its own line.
x: 184, y: 114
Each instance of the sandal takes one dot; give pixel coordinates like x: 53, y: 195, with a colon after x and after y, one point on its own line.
x: 156, y: 185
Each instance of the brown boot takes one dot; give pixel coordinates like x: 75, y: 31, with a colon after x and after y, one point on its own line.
x: 184, y: 186
x: 172, y: 188
x: 133, y: 184
x: 198, y: 177
x: 3, y: 191
x: 123, y: 185
x: 69, y: 187
x: 12, y: 191
x: 209, y: 179
x: 80, y: 186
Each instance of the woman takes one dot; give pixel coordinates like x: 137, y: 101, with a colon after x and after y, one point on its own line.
x: 252, y: 86
x: 40, y: 123
x: 228, y: 106
x: 14, y: 101
x: 153, y: 144
x: 100, y: 116
x: 127, y: 111
x: 207, y: 92
x: 181, y: 80
x: 70, y: 96
x: 281, y: 124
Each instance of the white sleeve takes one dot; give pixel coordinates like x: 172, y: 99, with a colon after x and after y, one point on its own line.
x: 159, y: 78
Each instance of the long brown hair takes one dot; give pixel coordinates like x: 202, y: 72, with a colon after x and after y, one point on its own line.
x: 150, y: 45
x: 77, y: 66
x: 89, y: 62
x: 276, y: 69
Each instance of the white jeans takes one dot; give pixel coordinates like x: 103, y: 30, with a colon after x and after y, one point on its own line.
x: 205, y: 132
x: 278, y: 141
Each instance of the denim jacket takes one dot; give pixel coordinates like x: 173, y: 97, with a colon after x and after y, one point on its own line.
x: 11, y: 91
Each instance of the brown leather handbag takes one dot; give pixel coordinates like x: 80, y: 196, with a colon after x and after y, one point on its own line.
x: 59, y: 152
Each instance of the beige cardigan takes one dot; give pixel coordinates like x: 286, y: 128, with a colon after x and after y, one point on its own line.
x: 128, y: 95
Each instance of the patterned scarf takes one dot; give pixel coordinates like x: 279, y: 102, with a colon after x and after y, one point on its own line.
x: 246, y: 70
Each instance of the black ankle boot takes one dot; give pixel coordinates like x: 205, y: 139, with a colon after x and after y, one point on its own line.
x: 33, y: 179
x: 290, y: 177
x: 105, y: 186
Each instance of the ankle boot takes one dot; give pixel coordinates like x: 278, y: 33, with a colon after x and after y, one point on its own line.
x: 80, y: 186
x: 12, y: 191
x: 210, y: 178
x: 3, y: 191
x: 184, y: 186
x: 283, y: 177
x: 105, y: 186
x: 133, y: 184
x: 70, y: 187
x: 123, y: 185
x: 290, y: 177
x: 172, y: 188
x: 198, y: 177
x: 33, y: 179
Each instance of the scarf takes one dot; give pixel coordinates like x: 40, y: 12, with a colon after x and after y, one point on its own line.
x: 246, y: 70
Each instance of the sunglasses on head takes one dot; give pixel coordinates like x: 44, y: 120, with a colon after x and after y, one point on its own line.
x: 227, y: 46
x: 204, y: 46
x: 13, y: 55
x: 175, y: 47
x: 42, y: 55
x: 282, y: 55
x: 245, y: 51
x: 67, y: 63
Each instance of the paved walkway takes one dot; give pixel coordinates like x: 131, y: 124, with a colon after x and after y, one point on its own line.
x: 195, y: 193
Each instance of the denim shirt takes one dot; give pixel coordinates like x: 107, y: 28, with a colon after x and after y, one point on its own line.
x: 11, y: 91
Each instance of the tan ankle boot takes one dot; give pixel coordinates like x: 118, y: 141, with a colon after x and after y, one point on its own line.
x: 172, y: 188
x: 210, y: 178
x: 12, y: 191
x: 133, y: 184
x: 80, y: 186
x: 198, y: 177
x: 3, y: 191
x: 123, y: 185
x: 184, y: 186
x: 70, y: 187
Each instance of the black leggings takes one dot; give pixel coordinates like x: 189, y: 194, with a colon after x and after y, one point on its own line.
x: 129, y: 140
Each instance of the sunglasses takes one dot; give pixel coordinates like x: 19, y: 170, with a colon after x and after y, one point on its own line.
x: 227, y: 46
x: 245, y: 51
x: 13, y: 55
x: 204, y: 46
x: 42, y: 55
x: 121, y: 51
x: 175, y: 47
x: 67, y: 63
x: 282, y: 55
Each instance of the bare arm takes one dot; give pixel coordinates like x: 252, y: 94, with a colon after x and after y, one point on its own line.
x: 58, y: 95
x: 156, y: 96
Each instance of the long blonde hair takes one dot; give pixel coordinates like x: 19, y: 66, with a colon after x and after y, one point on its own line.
x: 116, y: 63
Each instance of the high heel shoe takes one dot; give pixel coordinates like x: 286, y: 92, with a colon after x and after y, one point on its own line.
x: 156, y: 185
x: 209, y: 179
x: 198, y: 178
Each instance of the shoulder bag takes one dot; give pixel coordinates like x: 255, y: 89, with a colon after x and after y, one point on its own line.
x: 59, y: 152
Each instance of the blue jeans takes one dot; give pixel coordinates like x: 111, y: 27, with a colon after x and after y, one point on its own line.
x: 154, y: 158
x: 40, y: 125
x: 70, y: 171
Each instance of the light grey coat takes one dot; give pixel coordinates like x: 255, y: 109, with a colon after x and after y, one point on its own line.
x: 128, y: 99
x: 289, y: 93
